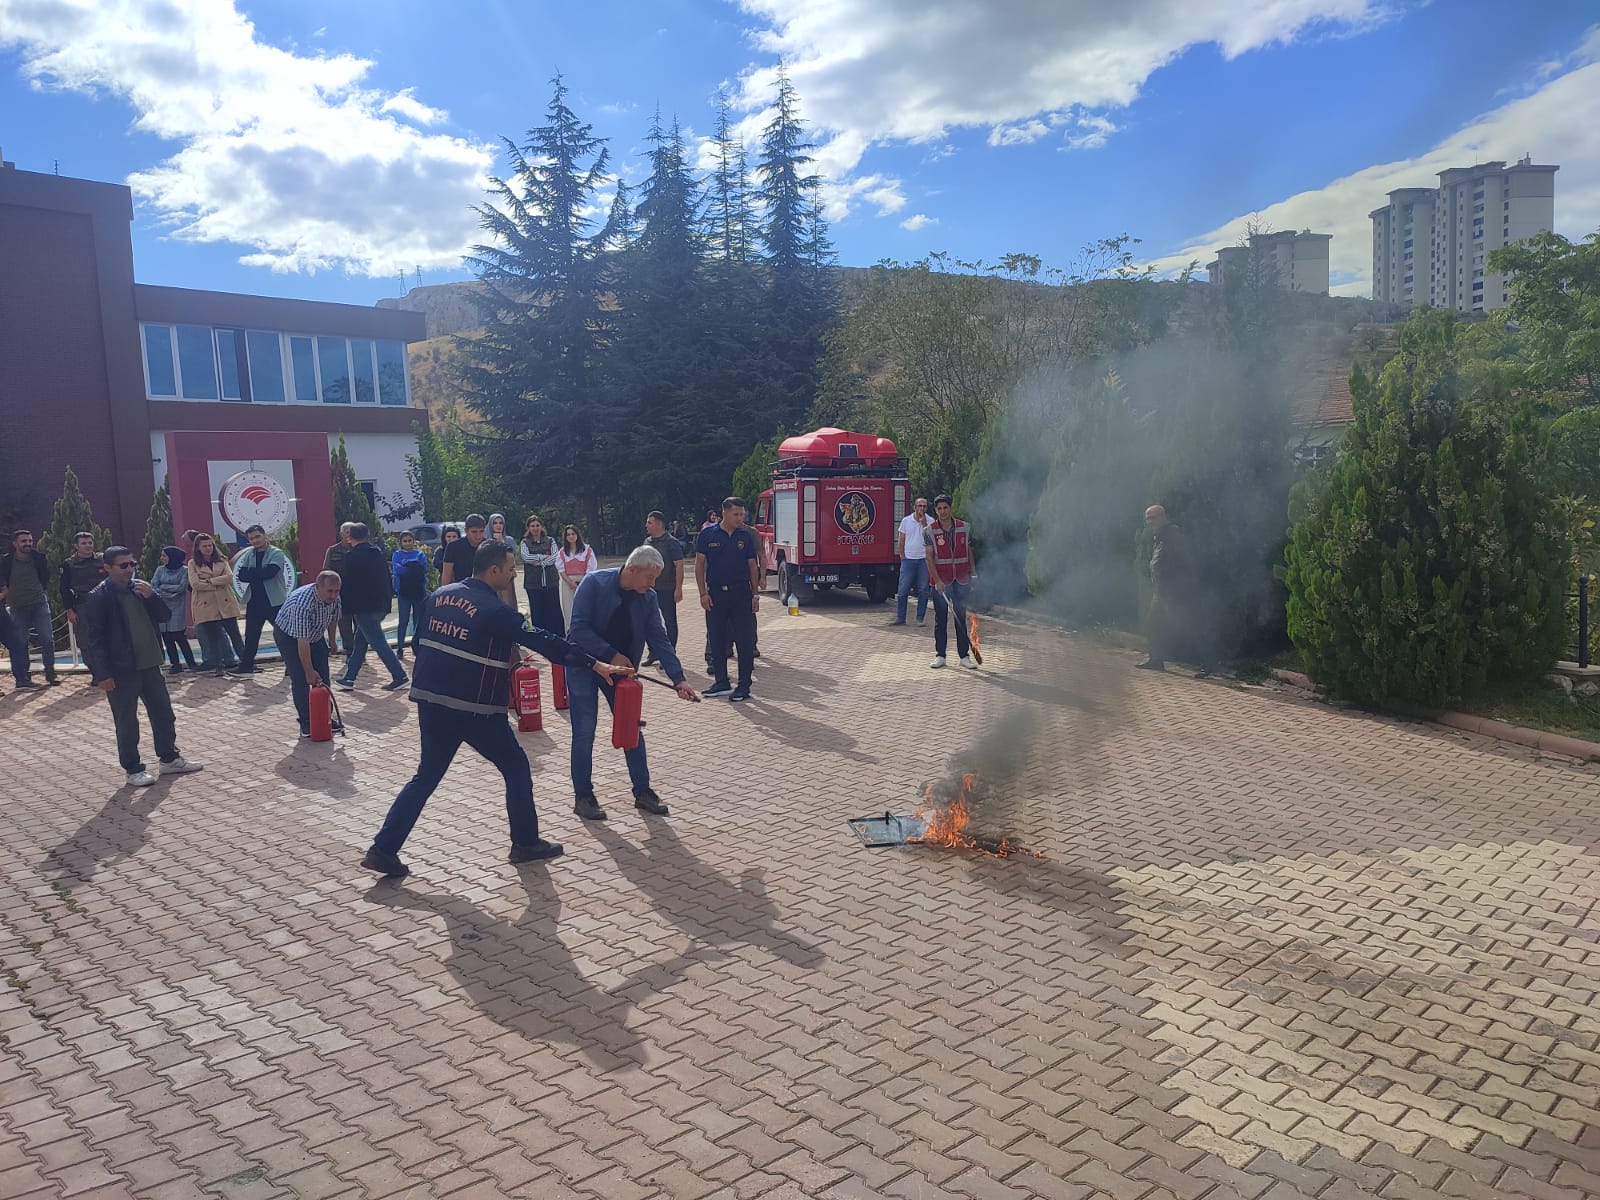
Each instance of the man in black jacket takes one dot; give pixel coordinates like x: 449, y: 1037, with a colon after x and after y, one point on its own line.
x: 80, y: 574
x: 119, y: 623
x: 367, y: 594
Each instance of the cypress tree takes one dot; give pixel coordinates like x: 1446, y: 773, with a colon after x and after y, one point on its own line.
x: 1432, y: 560
x: 157, y: 532
x: 72, y: 515
x: 350, y: 501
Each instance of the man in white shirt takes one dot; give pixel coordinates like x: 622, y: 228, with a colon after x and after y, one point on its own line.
x: 909, y: 543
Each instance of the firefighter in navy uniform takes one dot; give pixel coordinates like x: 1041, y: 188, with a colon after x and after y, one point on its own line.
x: 462, y: 687
x: 727, y: 566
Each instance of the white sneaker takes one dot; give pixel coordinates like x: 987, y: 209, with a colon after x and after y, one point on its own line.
x: 181, y: 766
x: 140, y: 779
x: 938, y: 661
x: 966, y: 661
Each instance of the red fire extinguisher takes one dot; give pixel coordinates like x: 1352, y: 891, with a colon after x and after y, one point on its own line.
x: 626, y: 710
x: 525, y: 698
x: 558, y: 686
x: 323, y: 714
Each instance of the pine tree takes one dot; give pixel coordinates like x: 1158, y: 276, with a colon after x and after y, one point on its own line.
x: 794, y: 235
x: 70, y: 517
x: 545, y: 271
x: 157, y: 532
x: 730, y: 221
x: 1433, y: 560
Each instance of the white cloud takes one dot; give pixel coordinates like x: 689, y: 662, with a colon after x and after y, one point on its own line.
x: 880, y: 71
x: 284, y: 153
x: 1559, y: 123
x: 918, y: 221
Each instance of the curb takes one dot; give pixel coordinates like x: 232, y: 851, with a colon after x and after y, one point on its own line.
x: 1536, y: 739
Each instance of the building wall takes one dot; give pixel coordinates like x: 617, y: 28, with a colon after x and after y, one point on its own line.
x: 381, y: 459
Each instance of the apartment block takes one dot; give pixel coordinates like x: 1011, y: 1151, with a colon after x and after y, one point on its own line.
x: 1430, y: 246
x: 1297, y: 262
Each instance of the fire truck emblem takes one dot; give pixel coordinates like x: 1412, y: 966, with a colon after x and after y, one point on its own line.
x: 854, y: 513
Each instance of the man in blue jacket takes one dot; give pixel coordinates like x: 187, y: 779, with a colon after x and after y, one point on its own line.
x: 267, y: 576
x: 615, y: 614
x: 462, y: 686
x: 119, y: 623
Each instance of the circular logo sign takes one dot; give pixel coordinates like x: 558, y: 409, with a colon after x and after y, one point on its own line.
x: 255, y: 498
x: 854, y: 513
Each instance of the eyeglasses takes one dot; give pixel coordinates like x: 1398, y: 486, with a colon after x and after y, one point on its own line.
x: 122, y: 566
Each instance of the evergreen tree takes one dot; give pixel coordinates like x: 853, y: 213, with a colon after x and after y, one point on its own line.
x: 794, y: 234
x: 350, y: 501
x: 157, y: 532
x: 71, y: 516
x: 545, y: 272
x: 1433, y: 561
x: 730, y: 221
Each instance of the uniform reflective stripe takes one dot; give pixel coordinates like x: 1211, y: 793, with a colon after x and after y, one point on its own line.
x: 477, y: 658
x: 459, y: 705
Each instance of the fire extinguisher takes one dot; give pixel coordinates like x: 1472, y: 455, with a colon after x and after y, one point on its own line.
x: 558, y: 686
x: 324, y: 714
x: 525, y: 695
x: 626, y: 709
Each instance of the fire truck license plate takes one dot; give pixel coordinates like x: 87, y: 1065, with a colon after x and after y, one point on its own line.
x: 823, y: 578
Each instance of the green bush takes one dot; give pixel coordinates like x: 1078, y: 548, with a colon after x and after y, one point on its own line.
x: 1435, y: 560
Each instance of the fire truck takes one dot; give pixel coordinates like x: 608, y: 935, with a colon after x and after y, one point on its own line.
x: 830, y: 517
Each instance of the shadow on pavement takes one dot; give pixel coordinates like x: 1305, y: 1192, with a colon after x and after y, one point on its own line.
x: 116, y: 832
x: 520, y: 974
x: 702, y: 902
x: 313, y: 767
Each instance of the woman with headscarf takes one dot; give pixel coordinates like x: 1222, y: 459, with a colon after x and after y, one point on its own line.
x: 497, y: 531
x: 171, y: 583
x: 574, y: 560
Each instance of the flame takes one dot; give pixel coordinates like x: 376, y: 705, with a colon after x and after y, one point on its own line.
x: 972, y: 631
x: 947, y: 824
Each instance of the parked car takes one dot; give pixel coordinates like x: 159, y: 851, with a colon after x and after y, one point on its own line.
x: 430, y: 534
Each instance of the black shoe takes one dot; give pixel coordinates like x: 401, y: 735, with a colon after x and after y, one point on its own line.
x: 740, y: 695
x: 175, y: 669
x: 1151, y: 664
x: 718, y: 689
x: 394, y: 685
x: 898, y: 621
x: 27, y: 685
x: 537, y: 852
x: 646, y: 800
x: 53, y: 680
x: 241, y: 669
x: 305, y: 733
x: 588, y: 808
x: 385, y: 864
x: 649, y: 662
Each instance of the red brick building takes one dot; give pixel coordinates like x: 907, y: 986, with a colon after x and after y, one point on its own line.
x: 130, y: 384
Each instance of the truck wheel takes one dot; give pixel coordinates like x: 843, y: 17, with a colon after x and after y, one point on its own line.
x: 877, y: 589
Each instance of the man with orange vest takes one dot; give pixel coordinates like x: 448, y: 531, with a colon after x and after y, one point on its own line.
x: 950, y: 571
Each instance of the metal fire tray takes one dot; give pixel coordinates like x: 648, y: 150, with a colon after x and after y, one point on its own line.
x: 891, y: 829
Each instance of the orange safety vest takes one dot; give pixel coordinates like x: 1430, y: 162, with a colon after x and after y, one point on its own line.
x: 950, y: 552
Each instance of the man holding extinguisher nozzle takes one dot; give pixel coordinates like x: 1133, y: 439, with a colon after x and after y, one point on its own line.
x: 461, y: 685
x: 303, y: 630
x: 615, y: 614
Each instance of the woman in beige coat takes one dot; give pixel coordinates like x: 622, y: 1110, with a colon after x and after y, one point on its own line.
x: 215, y: 607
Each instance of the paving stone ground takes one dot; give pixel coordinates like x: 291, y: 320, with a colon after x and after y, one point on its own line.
x: 1272, y: 950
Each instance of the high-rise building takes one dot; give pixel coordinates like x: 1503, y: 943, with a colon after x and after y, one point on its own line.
x: 1297, y: 262
x: 1431, y: 245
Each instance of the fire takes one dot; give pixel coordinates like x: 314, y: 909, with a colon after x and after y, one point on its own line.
x: 972, y: 636
x: 947, y: 823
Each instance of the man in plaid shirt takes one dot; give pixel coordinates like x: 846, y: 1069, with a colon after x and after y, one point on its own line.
x: 304, y: 626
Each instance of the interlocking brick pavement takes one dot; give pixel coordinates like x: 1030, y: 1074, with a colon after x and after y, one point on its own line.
x: 1273, y: 949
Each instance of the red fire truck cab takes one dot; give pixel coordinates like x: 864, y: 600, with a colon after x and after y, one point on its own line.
x: 830, y: 517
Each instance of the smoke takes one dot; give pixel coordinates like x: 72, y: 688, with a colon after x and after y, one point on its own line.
x: 1199, y: 421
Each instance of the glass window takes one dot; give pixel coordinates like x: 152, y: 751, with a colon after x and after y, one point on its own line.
x: 304, y: 358
x: 366, y: 377
x: 197, y: 362
x: 228, y: 362
x: 392, y: 373
x: 158, y: 366
x: 266, y: 367
x: 334, y: 362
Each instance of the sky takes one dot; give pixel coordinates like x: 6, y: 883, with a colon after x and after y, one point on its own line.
x: 333, y: 151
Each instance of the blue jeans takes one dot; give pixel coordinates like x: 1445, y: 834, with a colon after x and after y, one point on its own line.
x: 220, y: 646
x: 37, y: 620
x: 442, y: 731
x: 913, y: 575
x: 369, y: 632
x: 15, y: 639
x: 410, y: 614
x: 955, y: 596
x: 583, y: 695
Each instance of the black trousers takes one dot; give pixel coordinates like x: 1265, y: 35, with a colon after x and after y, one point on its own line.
x: 730, y: 622
x: 299, y: 685
x: 669, y: 616
x: 259, y: 613
x: 176, y: 644
x: 544, y: 610
x: 129, y: 690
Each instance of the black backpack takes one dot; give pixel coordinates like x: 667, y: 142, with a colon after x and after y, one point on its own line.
x: 413, y: 579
